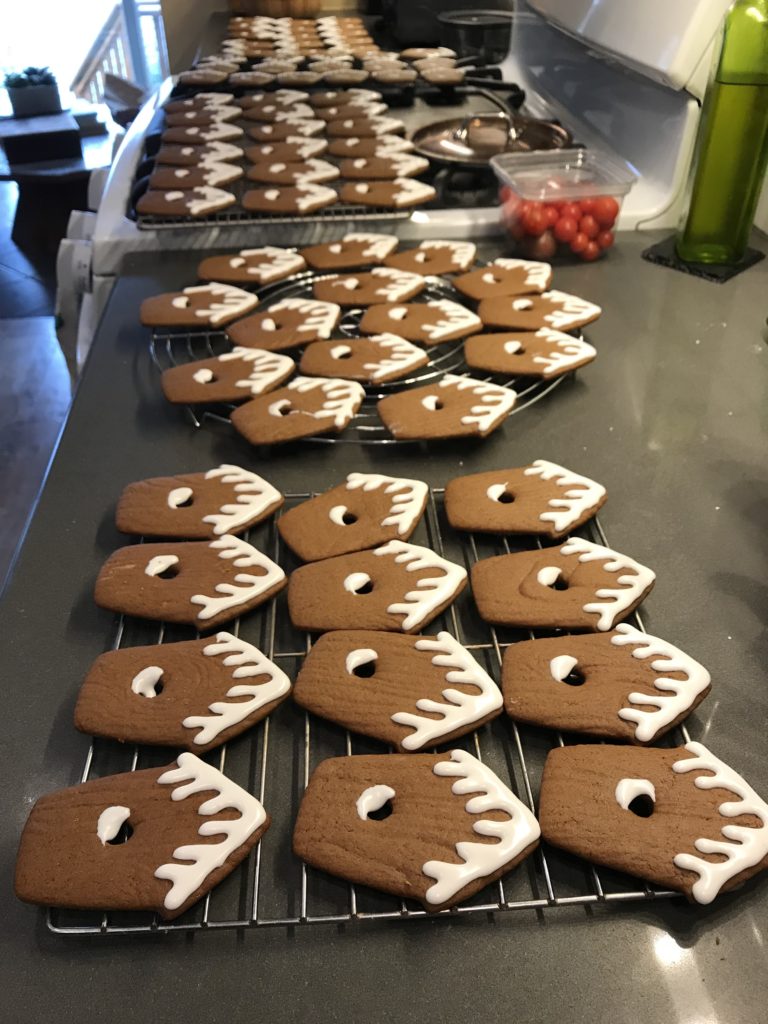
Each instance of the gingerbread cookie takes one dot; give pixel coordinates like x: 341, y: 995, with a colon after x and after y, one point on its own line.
x: 385, y: 168
x: 414, y: 825
x: 301, y: 198
x: 226, y: 499
x: 543, y: 353
x: 429, y: 323
x: 623, y: 685
x: 202, y: 115
x: 377, y: 683
x: 349, y: 76
x: 363, y: 127
x: 554, y: 309
x: 284, y: 98
x: 201, y: 201
x: 397, y: 194
x: 231, y: 377
x: 201, y: 101
x: 198, y: 156
x: 388, y: 74
x: 443, y: 76
x: 195, y: 582
x: 505, y: 277
x: 348, y: 97
x: 302, y: 78
x: 166, y: 176
x: 396, y: 587
x: 375, y: 360
x: 256, y: 266
x: 175, y: 695
x: 306, y: 406
x: 250, y: 79
x: 280, y: 131
x: 580, y: 585
x: 543, y: 499
x: 368, y: 509
x: 270, y: 112
x: 680, y: 818
x: 374, y: 145
x: 382, y: 284
x: 293, y: 150
x: 434, y: 257
x: 138, y: 841
x: 201, y: 135
x: 205, y: 76
x: 356, y: 249
x: 286, y: 324
x: 278, y: 172
x: 425, y: 52
x: 452, y: 407
x: 350, y: 110
x: 204, y: 305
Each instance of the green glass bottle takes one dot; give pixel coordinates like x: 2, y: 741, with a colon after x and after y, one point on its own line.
x: 732, y: 143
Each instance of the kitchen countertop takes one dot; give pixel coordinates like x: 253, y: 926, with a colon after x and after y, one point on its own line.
x: 672, y: 418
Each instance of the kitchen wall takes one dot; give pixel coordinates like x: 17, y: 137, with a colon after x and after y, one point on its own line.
x: 185, y: 21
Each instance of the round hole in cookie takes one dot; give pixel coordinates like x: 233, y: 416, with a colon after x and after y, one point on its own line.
x: 574, y: 678
x: 522, y: 304
x: 168, y: 574
x: 381, y: 813
x: 349, y: 518
x: 642, y: 805
x: 358, y: 583
x: 122, y: 835
x: 505, y: 498
x: 559, y: 584
x: 365, y: 671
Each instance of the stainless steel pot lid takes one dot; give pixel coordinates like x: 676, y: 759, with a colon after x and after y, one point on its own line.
x: 473, y: 140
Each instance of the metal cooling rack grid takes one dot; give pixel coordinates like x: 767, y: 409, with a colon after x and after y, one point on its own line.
x: 174, y: 347
x: 276, y: 758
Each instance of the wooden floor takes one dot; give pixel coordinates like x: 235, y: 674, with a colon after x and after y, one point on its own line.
x: 34, y: 383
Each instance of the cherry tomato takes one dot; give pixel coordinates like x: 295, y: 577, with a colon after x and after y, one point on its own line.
x: 522, y: 209
x: 516, y: 230
x: 579, y: 242
x: 551, y: 215
x: 591, y: 251
x: 589, y: 226
x: 571, y: 210
x: 587, y: 205
x: 534, y: 222
x: 605, y: 239
x: 565, y: 229
x: 605, y: 211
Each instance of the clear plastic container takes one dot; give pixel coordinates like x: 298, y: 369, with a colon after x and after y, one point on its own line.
x: 561, y: 202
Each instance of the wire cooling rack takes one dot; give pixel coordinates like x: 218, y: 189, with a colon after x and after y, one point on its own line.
x: 172, y: 347
x: 276, y: 758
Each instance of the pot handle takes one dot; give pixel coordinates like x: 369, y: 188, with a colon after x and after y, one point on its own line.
x: 462, y: 132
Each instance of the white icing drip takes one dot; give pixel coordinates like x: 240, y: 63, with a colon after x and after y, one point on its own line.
x: 273, y: 262
x: 386, y: 145
x: 308, y: 127
x: 629, y: 789
x: 582, y: 495
x: 180, y: 302
x: 159, y: 564
x: 397, y: 283
x: 548, y: 575
x: 203, y: 376
x: 408, y: 497
x: 272, y: 194
x: 747, y: 845
x: 111, y: 820
x: 249, y: 661
x: 267, y: 368
x: 510, y: 347
x: 488, y: 278
x: 377, y: 246
x: 306, y: 147
x: 405, y: 164
x: 343, y: 397
x: 254, y: 497
x: 321, y: 317
x: 310, y: 195
x: 144, y: 682
x: 462, y: 253
x: 495, y: 491
x: 276, y: 408
x: 182, y: 172
x: 562, y: 666
x: 250, y: 586
x: 356, y: 581
x: 178, y: 496
x: 629, y: 587
x: 496, y: 401
x: 678, y: 694
x: 225, y: 301
x: 431, y: 403
x: 537, y: 275
x: 339, y: 351
x: 572, y: 312
x: 301, y: 112
x: 373, y: 799
x: 219, y: 174
x: 520, y: 304
x: 217, y: 132
x: 479, y: 860
x: 362, y: 188
x: 398, y: 313
x: 215, y: 152
x: 410, y: 190
x: 350, y: 283
x: 455, y: 317
x: 384, y: 125
x: 361, y: 656
x: 337, y: 513
x: 566, y: 351
x: 402, y: 354
x: 460, y: 708
x: 417, y: 606
x: 195, y: 776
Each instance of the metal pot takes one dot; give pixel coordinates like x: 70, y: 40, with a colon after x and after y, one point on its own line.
x: 471, y: 141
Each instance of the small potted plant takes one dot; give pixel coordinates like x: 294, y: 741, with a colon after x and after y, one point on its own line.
x: 33, y: 91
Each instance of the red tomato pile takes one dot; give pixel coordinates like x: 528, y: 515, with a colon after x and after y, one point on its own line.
x: 584, y: 227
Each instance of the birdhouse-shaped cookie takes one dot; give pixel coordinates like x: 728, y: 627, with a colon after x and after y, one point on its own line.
x: 231, y: 377
x: 306, y: 406
x: 554, y: 309
x: 382, y: 284
x: 428, y: 323
x: 374, y: 360
x: 203, y: 305
x: 356, y: 249
x: 505, y: 277
x: 453, y: 406
x: 543, y: 353
x: 258, y: 266
x: 286, y: 324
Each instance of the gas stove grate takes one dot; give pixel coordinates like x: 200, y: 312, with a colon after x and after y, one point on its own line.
x: 275, y: 759
x: 175, y: 347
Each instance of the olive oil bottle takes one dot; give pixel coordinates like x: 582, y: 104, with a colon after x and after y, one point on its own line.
x: 732, y: 143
